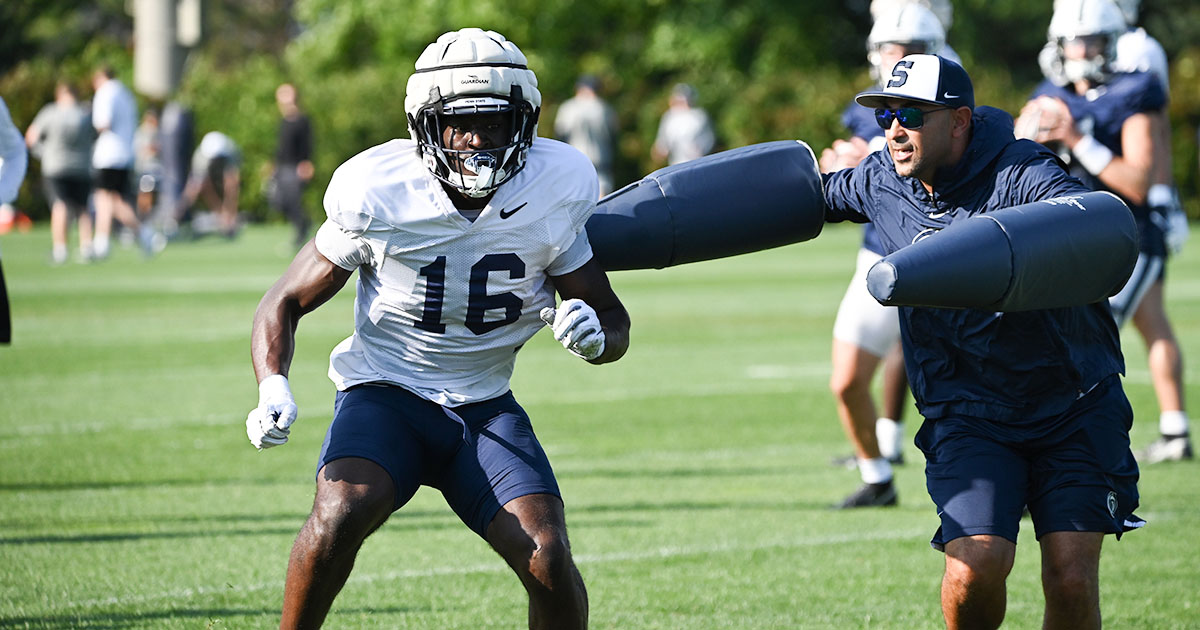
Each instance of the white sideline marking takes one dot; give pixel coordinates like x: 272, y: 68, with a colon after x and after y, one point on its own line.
x: 499, y: 567
x: 788, y: 372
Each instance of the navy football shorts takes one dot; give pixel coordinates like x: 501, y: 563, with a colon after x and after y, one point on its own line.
x: 480, y: 456
x: 1076, y: 472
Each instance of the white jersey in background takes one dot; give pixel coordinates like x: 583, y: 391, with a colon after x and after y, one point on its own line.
x: 114, y: 111
x: 444, y: 303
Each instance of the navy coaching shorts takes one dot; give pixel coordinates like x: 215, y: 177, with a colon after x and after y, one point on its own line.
x: 1075, y: 471
x: 480, y: 456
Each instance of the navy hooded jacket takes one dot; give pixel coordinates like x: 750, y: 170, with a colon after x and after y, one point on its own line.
x: 1013, y: 368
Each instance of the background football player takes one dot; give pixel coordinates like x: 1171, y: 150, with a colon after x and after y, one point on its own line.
x: 866, y: 333
x: 1110, y: 125
x: 460, y: 237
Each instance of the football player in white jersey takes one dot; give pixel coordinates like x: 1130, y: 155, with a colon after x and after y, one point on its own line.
x: 460, y: 236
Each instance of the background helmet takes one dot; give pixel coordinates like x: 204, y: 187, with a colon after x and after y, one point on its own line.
x: 1083, y: 18
x: 472, y: 71
x: 1130, y: 8
x: 940, y: 8
x: 910, y: 24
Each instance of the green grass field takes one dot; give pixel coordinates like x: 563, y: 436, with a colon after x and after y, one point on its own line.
x: 695, y: 471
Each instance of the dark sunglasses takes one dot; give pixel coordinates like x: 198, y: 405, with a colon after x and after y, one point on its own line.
x: 909, y: 117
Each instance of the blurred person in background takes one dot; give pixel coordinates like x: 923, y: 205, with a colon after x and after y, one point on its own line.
x: 216, y: 178
x: 1108, y: 124
x: 61, y: 135
x: 1138, y: 51
x: 115, y: 118
x: 177, y: 134
x: 147, y: 163
x: 293, y: 167
x: 586, y: 122
x: 866, y: 334
x: 684, y: 131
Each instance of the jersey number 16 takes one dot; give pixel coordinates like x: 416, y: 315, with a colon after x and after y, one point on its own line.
x: 479, y: 301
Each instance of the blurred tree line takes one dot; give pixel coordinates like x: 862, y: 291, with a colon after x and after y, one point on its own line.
x: 764, y: 69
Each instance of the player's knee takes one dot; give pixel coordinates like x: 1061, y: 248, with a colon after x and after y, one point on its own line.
x: 979, y: 564
x: 551, y: 554
x: 1070, y: 590
x: 848, y: 385
x: 1068, y: 586
x: 1068, y: 580
x: 349, y: 515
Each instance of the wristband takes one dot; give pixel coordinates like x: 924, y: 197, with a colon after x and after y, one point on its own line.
x: 274, y: 384
x: 1092, y: 155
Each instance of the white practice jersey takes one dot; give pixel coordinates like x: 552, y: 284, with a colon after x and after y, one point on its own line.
x: 444, y: 303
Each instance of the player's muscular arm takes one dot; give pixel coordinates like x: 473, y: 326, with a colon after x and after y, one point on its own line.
x: 1129, y: 175
x: 308, y: 283
x: 590, y: 284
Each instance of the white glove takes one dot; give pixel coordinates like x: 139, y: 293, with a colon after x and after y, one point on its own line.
x: 1177, y: 229
x: 1171, y: 218
x: 270, y: 423
x: 577, y: 327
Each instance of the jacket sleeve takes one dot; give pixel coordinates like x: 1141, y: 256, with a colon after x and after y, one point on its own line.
x: 844, y: 192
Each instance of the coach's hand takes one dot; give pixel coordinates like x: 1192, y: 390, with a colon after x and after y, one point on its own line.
x: 577, y: 327
x: 270, y: 423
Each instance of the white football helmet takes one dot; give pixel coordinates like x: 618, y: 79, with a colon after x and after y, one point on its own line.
x: 1130, y: 9
x: 1075, y: 19
x: 941, y: 8
x: 472, y: 71
x: 909, y: 24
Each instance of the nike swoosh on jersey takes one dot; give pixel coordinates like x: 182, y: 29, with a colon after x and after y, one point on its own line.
x: 504, y: 214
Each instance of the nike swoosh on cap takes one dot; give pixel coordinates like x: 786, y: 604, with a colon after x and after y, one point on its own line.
x: 949, y: 95
x: 504, y: 214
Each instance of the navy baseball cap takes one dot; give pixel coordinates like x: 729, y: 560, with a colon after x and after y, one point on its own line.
x: 926, y: 79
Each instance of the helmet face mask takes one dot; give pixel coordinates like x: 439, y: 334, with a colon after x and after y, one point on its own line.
x: 1089, y: 64
x: 506, y: 125
x: 1084, y: 34
x: 473, y: 83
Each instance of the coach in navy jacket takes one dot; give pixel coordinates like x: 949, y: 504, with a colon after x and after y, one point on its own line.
x: 1022, y: 408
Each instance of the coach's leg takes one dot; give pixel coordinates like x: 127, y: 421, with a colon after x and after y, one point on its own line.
x: 1071, y: 580
x: 354, y: 497
x: 973, y: 590
x: 530, y: 533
